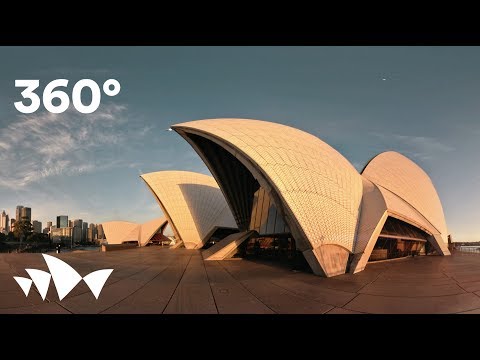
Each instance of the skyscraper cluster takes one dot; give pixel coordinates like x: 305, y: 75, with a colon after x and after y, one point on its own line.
x: 62, y: 230
x: 75, y: 231
x: 21, y: 213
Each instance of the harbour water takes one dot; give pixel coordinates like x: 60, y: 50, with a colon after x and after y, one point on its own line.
x: 473, y: 249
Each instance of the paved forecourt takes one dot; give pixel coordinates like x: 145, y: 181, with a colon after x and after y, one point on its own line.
x: 157, y: 280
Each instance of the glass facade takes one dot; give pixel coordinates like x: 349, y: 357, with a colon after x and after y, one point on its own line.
x: 387, y: 248
x: 62, y: 221
x: 395, y: 227
x: 26, y: 214
x: 252, y: 207
x: 265, y: 219
x: 399, y: 239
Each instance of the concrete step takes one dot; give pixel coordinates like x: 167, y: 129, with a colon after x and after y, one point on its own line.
x: 225, y: 247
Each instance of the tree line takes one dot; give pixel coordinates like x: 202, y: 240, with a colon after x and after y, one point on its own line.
x: 23, y: 231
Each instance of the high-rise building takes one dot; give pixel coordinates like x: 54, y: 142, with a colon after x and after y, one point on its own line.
x: 62, y: 221
x: 92, y: 232
x: 12, y: 224
x: 18, y: 212
x: 77, y: 234
x: 48, y: 228
x: 100, y: 233
x: 2, y: 219
x: 77, y: 230
x: 85, y: 231
x: 37, y: 226
x: 4, y: 223
x: 70, y: 223
x: 26, y: 214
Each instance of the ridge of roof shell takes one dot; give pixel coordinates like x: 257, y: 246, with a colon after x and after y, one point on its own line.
x: 247, y: 129
x: 180, y: 173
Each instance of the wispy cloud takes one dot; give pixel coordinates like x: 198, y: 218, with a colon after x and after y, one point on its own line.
x: 153, y: 207
x: 419, y: 147
x: 38, y: 146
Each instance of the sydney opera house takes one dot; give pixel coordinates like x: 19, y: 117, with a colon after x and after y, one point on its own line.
x: 194, y: 208
x: 125, y: 232
x: 280, y: 192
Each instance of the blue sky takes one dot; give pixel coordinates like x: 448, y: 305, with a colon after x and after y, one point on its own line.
x: 88, y: 166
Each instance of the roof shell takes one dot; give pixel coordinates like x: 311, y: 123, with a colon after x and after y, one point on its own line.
x: 150, y: 228
x: 318, y: 186
x: 117, y: 232
x: 399, y: 177
x: 193, y: 203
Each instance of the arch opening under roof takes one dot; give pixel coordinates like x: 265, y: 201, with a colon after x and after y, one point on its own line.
x: 286, y: 184
x: 397, y: 190
x: 399, y: 177
x: 254, y: 207
x: 326, y: 243
x: 399, y: 239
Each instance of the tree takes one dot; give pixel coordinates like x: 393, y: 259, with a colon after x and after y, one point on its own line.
x: 36, y: 238
x: 3, y: 237
x: 23, y: 228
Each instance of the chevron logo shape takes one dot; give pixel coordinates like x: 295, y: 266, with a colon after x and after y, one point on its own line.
x: 65, y: 278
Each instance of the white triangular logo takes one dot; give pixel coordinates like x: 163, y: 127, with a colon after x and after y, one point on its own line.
x: 41, y: 279
x: 24, y: 283
x: 64, y: 276
x: 96, y: 280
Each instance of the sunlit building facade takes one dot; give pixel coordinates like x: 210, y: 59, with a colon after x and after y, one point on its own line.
x: 291, y: 193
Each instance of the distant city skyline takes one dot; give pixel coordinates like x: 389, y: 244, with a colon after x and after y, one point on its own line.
x: 61, y: 229
x: 12, y: 215
x: 419, y: 101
